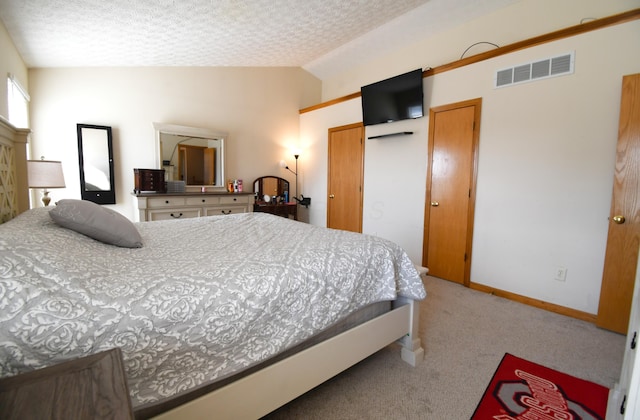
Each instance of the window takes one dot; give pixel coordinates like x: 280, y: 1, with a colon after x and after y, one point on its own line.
x: 18, y: 103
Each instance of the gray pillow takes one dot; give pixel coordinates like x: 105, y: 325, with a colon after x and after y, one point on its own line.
x: 97, y: 222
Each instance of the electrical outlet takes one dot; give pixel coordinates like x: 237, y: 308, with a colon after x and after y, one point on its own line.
x: 561, y: 274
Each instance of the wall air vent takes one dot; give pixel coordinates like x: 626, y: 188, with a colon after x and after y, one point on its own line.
x: 536, y: 70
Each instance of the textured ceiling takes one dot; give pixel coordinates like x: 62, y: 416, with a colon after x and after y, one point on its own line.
x: 80, y: 33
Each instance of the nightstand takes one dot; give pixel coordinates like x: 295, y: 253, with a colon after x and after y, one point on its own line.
x: 92, y: 387
x: 282, y: 209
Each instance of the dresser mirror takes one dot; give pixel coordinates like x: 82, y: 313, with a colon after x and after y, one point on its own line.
x: 272, y: 196
x: 191, y: 154
x: 271, y: 186
x: 95, y: 156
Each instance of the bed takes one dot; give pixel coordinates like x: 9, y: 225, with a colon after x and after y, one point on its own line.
x: 235, y: 314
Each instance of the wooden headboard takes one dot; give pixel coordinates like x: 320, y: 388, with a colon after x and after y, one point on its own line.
x: 14, y: 192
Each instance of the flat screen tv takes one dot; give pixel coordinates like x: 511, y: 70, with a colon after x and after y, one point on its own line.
x: 394, y: 99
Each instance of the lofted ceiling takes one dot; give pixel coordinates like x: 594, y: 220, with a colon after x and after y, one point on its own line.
x: 323, y: 36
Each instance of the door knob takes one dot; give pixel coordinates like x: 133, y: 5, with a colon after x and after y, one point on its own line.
x: 332, y: 196
x: 619, y: 219
x: 434, y: 204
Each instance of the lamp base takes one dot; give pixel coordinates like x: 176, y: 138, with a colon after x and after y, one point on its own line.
x: 45, y: 198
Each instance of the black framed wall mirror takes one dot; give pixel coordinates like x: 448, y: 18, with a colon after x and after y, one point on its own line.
x: 95, y: 155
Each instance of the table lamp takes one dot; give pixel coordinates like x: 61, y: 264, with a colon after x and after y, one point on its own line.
x: 45, y: 174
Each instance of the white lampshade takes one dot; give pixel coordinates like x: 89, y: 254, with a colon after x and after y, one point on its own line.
x: 45, y: 174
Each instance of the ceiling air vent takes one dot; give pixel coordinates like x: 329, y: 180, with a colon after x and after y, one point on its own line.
x: 536, y: 70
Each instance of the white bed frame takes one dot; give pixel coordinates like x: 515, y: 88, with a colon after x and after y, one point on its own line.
x: 272, y: 387
x: 260, y: 393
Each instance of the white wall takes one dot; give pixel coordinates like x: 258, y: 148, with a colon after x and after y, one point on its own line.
x: 547, y: 152
x: 258, y: 107
x: 522, y: 20
x: 11, y: 62
x: 394, y: 174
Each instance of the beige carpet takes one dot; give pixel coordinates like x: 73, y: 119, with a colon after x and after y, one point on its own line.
x: 465, y: 333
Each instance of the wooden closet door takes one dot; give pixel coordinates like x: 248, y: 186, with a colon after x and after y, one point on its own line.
x: 621, y: 255
x: 451, y: 185
x: 346, y: 172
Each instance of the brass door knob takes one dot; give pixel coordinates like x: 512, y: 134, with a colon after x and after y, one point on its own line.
x: 332, y: 196
x: 619, y: 219
x: 434, y: 204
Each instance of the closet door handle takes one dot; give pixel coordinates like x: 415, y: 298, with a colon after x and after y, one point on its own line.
x: 619, y: 219
x: 634, y: 341
x: 434, y: 204
x: 332, y: 196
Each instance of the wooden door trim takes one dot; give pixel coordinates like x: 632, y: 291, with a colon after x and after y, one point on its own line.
x: 361, y: 198
x: 477, y: 104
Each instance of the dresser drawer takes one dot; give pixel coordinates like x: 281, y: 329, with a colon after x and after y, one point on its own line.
x: 160, y: 202
x: 203, y: 201
x: 235, y: 199
x: 174, y: 214
x: 219, y: 211
x: 182, y: 206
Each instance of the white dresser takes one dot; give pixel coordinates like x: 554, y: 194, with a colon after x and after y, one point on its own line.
x: 158, y: 206
x: 624, y: 398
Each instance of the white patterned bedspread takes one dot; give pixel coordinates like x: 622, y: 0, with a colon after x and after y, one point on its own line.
x: 201, y: 299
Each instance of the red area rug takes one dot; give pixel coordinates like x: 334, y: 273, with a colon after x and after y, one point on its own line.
x: 524, y: 390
